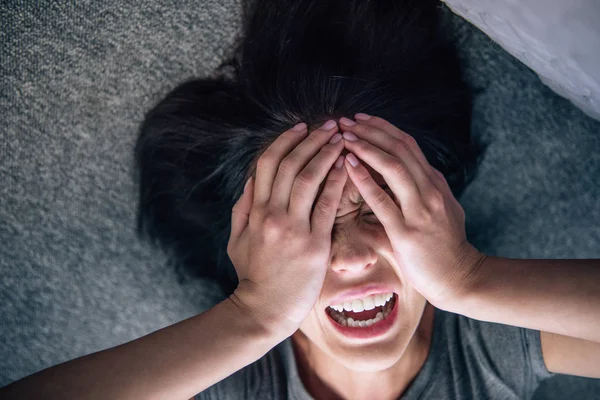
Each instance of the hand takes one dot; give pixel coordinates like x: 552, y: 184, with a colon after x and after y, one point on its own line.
x: 425, y: 223
x: 281, y: 252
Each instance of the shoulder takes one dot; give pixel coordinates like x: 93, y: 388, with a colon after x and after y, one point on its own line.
x: 507, y: 355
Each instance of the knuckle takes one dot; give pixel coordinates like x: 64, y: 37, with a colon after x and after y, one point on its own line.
x: 462, y: 213
x: 256, y: 216
x: 287, y: 165
x: 334, y: 182
x: 456, y: 206
x: 233, y: 254
x: 422, y: 216
x: 236, y: 207
x: 277, y: 229
x: 264, y: 161
x: 381, y: 199
x: 364, y: 178
x: 304, y: 180
x: 384, y: 125
x: 414, y: 235
x: 232, y: 250
x: 321, y: 211
x: 325, y: 205
x: 377, y: 120
x: 410, y: 141
x: 371, y: 130
x: 271, y: 223
x: 397, y: 168
x: 363, y: 128
x: 436, y: 200
x: 401, y: 146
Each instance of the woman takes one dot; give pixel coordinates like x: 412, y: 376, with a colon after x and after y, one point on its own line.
x: 309, y: 62
x: 344, y: 119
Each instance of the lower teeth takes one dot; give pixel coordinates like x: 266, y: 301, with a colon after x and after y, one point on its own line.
x: 387, y: 309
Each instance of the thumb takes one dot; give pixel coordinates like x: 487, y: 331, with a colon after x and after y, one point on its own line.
x: 240, y: 213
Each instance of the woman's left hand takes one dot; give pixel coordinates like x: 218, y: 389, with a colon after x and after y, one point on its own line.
x: 425, y: 223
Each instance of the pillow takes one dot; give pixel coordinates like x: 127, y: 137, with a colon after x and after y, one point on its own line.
x: 559, y: 40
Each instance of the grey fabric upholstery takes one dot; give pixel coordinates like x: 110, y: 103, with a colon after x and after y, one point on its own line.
x: 77, y: 78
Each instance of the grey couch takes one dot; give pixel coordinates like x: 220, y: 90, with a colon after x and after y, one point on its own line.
x: 76, y: 80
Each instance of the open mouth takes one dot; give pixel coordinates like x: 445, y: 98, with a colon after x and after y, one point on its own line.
x: 365, y: 318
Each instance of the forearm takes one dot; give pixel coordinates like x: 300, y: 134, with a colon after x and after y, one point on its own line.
x: 175, y: 362
x: 558, y: 296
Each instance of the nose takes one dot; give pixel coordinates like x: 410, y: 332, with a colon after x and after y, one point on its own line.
x: 350, y: 254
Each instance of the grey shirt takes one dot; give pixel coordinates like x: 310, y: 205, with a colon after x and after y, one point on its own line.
x: 468, y: 359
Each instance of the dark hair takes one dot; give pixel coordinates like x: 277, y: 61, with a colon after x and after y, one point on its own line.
x: 301, y: 60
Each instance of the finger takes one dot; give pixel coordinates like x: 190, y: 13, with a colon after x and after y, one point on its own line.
x: 391, y: 129
x: 308, y: 182
x: 289, y: 168
x: 383, y: 206
x: 442, y: 182
x: 325, y: 210
x: 443, y: 185
x: 266, y: 168
x: 240, y: 213
x: 394, y: 146
x: 394, y: 171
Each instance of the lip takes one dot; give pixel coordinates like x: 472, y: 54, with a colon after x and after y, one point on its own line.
x: 368, y: 332
x: 362, y: 291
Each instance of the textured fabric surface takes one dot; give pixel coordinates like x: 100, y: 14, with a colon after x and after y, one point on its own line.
x: 76, y: 80
x: 560, y: 40
x: 468, y: 359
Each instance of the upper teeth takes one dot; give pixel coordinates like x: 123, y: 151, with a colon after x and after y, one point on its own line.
x: 365, y: 303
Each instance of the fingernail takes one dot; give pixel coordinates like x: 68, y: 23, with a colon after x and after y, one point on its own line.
x: 352, y: 159
x: 246, y: 185
x: 362, y: 117
x: 339, y: 162
x: 329, y: 124
x: 347, y: 121
x: 350, y: 136
x: 335, y: 138
x: 299, y: 127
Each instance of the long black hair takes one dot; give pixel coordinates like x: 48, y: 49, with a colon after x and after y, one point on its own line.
x: 296, y: 61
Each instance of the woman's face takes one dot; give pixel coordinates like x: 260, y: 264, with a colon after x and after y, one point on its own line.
x: 361, y: 254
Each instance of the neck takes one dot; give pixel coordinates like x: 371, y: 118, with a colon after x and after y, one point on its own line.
x: 324, y: 378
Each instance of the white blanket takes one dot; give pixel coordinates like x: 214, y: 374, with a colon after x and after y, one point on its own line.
x: 558, y: 39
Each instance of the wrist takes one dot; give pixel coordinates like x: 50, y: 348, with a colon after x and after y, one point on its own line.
x: 473, y: 272
x: 253, y: 305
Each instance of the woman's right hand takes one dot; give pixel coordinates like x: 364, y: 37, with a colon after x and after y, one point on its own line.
x: 279, y: 246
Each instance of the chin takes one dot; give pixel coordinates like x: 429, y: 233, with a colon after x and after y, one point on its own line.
x: 372, y: 359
